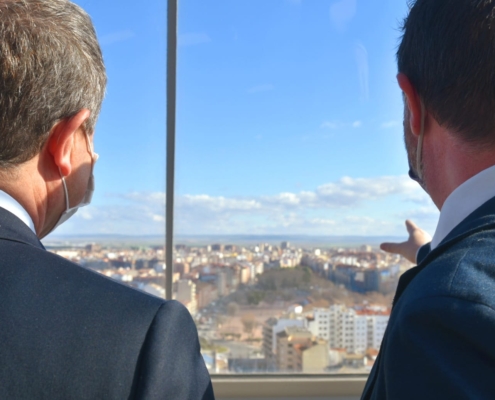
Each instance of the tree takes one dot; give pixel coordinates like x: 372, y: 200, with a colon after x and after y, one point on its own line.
x: 306, y: 275
x: 232, y: 309
x: 249, y: 322
x: 255, y: 297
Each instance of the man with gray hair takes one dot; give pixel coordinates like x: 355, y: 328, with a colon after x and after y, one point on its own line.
x: 66, y: 332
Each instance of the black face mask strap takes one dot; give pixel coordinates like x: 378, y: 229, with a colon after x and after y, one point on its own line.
x: 413, y: 174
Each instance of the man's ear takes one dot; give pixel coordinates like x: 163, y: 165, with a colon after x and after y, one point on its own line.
x: 413, y: 103
x: 61, y: 140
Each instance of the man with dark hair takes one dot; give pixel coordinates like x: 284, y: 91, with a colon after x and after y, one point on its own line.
x: 439, y: 342
x: 66, y: 332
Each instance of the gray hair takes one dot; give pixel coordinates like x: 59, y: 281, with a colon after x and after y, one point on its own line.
x: 51, y: 67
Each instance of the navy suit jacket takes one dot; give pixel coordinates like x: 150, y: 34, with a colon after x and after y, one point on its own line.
x: 69, y: 333
x: 440, y: 340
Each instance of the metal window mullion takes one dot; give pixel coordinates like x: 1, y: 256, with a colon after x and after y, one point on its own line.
x: 171, y: 126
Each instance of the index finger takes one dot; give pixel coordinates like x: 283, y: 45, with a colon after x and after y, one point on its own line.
x: 411, y: 226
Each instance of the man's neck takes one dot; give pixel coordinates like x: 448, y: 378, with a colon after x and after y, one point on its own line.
x: 448, y: 163
x: 32, y: 190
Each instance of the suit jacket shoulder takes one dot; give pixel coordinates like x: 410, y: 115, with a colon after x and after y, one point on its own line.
x: 439, y: 341
x: 170, y: 354
x: 466, y: 270
x: 70, y: 333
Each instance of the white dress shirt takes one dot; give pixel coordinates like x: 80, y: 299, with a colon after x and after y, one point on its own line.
x: 10, y: 204
x: 463, y: 201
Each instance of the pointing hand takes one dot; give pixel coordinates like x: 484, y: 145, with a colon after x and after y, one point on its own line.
x: 408, y: 249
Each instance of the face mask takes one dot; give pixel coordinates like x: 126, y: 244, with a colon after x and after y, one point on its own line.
x: 69, y: 212
x: 417, y: 175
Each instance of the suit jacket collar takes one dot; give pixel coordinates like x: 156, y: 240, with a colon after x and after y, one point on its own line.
x: 483, y: 218
x: 13, y: 229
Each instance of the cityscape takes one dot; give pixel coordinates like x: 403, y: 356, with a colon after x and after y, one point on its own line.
x: 266, y: 308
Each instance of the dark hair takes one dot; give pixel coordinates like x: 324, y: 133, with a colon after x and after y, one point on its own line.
x: 51, y: 67
x: 448, y: 53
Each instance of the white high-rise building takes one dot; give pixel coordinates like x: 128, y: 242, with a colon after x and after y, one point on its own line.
x: 347, y: 328
x: 377, y: 324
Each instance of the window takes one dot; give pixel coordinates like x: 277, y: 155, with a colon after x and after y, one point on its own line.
x: 290, y: 170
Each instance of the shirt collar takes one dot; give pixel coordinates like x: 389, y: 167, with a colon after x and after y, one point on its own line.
x: 463, y: 201
x: 10, y: 204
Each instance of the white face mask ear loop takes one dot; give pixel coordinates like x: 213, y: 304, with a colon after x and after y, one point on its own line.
x: 91, y: 149
x: 65, y: 190
x: 64, y: 185
x: 419, y: 151
x: 88, y: 142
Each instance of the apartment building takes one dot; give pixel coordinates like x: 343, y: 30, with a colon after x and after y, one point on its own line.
x: 291, y: 343
x: 271, y: 328
x: 316, y: 358
x: 186, y: 294
x: 348, y: 328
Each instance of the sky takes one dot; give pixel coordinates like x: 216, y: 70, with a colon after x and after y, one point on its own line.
x: 289, y: 120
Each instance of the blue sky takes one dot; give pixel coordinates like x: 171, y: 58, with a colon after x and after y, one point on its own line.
x: 289, y: 120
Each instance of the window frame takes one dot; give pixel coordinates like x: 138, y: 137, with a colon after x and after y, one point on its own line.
x: 172, y: 18
x: 284, y: 386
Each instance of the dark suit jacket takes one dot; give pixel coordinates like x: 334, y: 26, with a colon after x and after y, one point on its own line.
x: 440, y: 340
x: 69, y: 333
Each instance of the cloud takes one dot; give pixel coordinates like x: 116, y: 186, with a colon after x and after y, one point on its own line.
x: 193, y: 39
x: 366, y: 226
x: 322, y: 221
x: 115, y: 37
x: 360, y: 220
x: 342, y: 194
x: 290, y: 200
x: 298, y: 223
x: 390, y: 124
x: 341, y: 125
x: 341, y: 13
x: 261, y: 88
x: 421, y: 213
x: 420, y: 198
x: 333, y: 208
x: 426, y: 217
x: 294, y: 213
x: 156, y: 199
x: 204, y: 214
x: 217, y: 204
x: 331, y: 125
x: 134, y: 213
x: 349, y: 191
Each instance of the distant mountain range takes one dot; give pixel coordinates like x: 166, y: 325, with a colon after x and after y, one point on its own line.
x: 293, y: 239
x: 201, y: 240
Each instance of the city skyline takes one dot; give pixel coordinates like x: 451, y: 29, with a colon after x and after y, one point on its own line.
x: 266, y: 308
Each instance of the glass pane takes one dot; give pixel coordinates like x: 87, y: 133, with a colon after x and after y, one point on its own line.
x: 291, y: 170
x: 121, y: 234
